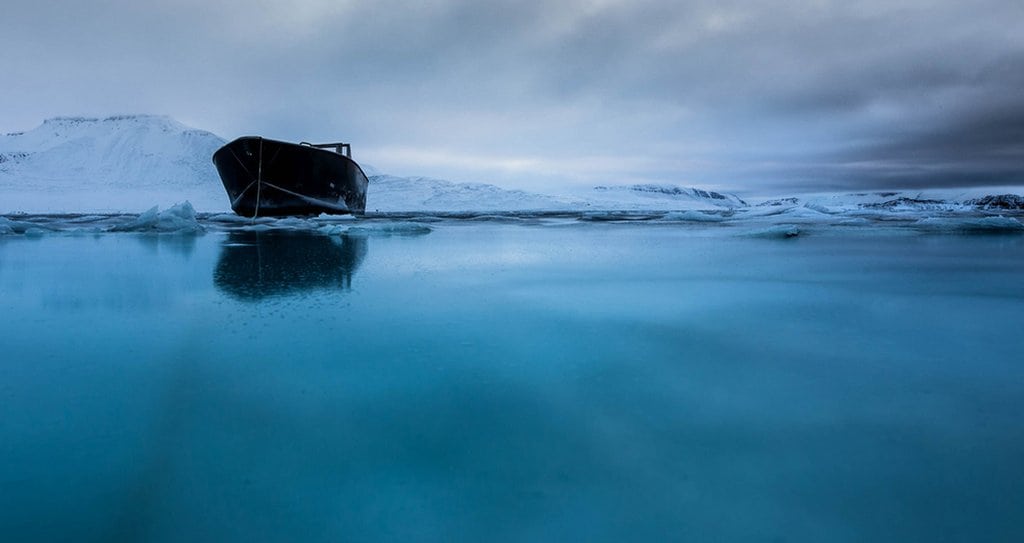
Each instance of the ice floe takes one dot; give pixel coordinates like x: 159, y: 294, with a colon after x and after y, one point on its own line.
x: 180, y: 218
x: 777, y: 231
x: 776, y: 221
x: 978, y: 225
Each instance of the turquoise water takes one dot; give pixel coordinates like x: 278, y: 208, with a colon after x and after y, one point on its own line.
x: 501, y: 382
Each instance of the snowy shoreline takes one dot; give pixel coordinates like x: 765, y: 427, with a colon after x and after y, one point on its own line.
x: 120, y: 165
x: 759, y: 222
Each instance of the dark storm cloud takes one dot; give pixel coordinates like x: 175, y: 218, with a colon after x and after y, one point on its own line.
x: 984, y: 149
x: 742, y: 95
x: 952, y: 131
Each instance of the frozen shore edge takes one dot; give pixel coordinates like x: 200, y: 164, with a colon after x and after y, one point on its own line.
x: 773, y: 222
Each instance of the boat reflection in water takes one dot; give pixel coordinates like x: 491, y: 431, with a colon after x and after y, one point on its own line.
x: 256, y: 265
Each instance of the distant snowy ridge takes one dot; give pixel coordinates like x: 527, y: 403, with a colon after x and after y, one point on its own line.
x: 999, y: 201
x: 388, y: 193
x: 666, y: 194
x: 990, y: 198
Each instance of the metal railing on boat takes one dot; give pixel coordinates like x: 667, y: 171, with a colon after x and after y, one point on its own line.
x: 340, y: 148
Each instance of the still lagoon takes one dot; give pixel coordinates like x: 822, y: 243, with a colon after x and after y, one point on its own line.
x: 480, y: 381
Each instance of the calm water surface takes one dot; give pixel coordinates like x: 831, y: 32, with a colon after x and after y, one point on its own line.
x: 493, y: 382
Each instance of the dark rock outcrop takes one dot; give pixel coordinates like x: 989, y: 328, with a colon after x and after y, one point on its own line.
x: 999, y: 201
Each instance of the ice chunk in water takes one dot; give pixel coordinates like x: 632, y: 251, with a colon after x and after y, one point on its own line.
x: 694, y: 216
x: 778, y: 231
x: 179, y: 218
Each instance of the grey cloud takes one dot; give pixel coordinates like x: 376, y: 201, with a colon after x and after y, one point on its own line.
x: 986, y: 148
x: 761, y: 97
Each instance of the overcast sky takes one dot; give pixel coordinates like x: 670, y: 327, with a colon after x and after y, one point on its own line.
x: 757, y: 97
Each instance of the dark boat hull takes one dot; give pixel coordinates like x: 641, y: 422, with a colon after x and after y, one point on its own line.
x: 270, y: 178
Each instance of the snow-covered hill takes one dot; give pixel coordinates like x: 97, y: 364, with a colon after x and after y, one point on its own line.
x: 122, y: 163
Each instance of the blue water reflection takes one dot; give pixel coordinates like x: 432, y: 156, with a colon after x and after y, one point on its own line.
x: 507, y: 383
x: 255, y: 265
